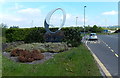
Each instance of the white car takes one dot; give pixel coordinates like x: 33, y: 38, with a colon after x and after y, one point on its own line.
x: 93, y: 36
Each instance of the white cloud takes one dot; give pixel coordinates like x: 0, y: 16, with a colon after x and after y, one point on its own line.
x: 21, y: 20
x: 71, y: 20
x: 56, y: 20
x: 10, y: 17
x: 32, y: 11
x: 17, y: 6
x: 2, y: 1
x: 25, y: 20
x: 110, y: 13
x: 23, y: 17
x: 68, y: 16
x: 82, y: 20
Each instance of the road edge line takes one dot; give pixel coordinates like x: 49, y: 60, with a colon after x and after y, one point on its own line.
x: 104, y: 69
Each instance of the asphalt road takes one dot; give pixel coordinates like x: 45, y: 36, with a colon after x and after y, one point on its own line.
x: 106, y: 49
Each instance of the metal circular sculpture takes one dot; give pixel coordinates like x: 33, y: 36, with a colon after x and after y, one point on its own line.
x: 47, y: 20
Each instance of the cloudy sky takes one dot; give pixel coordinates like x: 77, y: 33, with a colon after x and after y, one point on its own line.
x: 31, y: 14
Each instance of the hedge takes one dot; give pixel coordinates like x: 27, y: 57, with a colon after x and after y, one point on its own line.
x: 30, y: 35
x: 15, y: 34
x: 72, y: 36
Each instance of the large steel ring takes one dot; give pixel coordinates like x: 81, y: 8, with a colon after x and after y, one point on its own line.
x: 47, y: 20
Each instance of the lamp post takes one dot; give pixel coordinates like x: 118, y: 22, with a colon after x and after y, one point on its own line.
x: 76, y: 21
x: 32, y: 23
x: 84, y: 19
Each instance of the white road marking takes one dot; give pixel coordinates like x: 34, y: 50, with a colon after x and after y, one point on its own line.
x: 107, y: 73
x: 95, y: 42
x: 116, y: 55
x: 112, y: 50
x: 109, y: 48
x: 106, y: 45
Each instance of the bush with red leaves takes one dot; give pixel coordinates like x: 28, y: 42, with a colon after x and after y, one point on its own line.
x: 16, y: 52
x: 26, y: 56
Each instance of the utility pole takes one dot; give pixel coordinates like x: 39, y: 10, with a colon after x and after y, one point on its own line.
x: 32, y: 23
x: 106, y: 22
x: 76, y: 21
x: 84, y: 19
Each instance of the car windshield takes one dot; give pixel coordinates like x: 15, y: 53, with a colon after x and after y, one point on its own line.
x: 92, y: 34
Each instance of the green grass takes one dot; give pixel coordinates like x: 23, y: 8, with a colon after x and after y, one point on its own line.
x: 2, y: 39
x: 0, y: 63
x: 75, y: 62
x: 0, y: 56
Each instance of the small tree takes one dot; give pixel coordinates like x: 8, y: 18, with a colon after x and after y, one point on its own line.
x: 4, y: 27
x: 100, y: 29
x: 14, y: 27
x: 88, y: 28
x: 94, y: 28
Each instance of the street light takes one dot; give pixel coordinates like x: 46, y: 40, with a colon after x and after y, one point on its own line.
x: 32, y: 23
x: 76, y: 21
x: 84, y: 19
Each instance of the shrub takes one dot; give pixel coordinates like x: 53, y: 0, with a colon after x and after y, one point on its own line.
x: 16, y: 34
x: 96, y: 29
x: 16, y: 52
x: 35, y: 35
x: 27, y: 56
x: 72, y: 36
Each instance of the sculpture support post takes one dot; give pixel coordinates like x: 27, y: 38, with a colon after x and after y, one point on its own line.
x: 58, y: 35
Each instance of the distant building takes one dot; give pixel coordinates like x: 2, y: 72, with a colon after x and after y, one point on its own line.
x: 105, y: 31
x: 109, y: 31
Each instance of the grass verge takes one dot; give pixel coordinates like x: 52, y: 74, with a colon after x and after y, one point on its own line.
x: 0, y: 64
x: 75, y: 62
x: 0, y: 56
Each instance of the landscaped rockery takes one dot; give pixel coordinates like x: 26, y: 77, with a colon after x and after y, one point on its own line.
x: 34, y: 53
x: 42, y: 47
